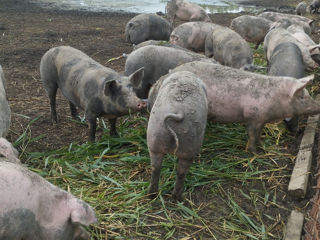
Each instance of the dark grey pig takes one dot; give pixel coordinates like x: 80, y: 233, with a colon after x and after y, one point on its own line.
x: 314, y: 6
x: 96, y: 89
x: 5, y: 112
x: 301, y: 8
x: 251, y: 28
x: 250, y: 98
x: 176, y: 125
x: 157, y: 61
x: 147, y: 26
x: 34, y: 209
x: 192, y: 35
x: 287, y: 60
x: 228, y: 48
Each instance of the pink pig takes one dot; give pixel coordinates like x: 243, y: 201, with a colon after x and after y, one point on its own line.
x: 34, y: 209
x: 185, y: 11
x: 254, y: 99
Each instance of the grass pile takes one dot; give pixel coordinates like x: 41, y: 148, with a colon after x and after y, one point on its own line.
x: 229, y: 193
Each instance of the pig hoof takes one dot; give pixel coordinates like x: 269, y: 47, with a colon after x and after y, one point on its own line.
x: 152, y: 195
x: 177, y: 198
x: 114, y: 134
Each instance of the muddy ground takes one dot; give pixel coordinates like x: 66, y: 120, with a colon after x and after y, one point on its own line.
x: 27, y: 32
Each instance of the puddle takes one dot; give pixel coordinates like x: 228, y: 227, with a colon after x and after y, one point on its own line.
x: 140, y: 6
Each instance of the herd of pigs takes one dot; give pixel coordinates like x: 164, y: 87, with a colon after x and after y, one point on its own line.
x: 182, y: 89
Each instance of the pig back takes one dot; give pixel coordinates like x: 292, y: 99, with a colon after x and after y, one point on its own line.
x: 180, y: 94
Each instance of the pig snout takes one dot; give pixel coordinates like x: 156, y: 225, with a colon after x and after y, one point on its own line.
x: 142, y: 104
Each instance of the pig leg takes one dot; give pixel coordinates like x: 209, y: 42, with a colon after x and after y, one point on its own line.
x: 254, y: 132
x: 113, y: 130
x: 156, y: 163
x: 73, y: 110
x: 92, y: 119
x: 52, y: 98
x: 182, y: 170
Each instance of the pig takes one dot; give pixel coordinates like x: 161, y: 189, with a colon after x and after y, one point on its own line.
x: 192, y: 35
x: 185, y: 11
x: 307, y: 23
x: 297, y: 32
x: 287, y: 60
x: 229, y: 48
x: 157, y: 61
x: 34, y: 209
x: 281, y: 35
x: 254, y: 99
x: 251, y: 28
x: 314, y: 6
x: 301, y: 8
x: 86, y: 84
x: 158, y: 43
x: 147, y: 26
x: 8, y: 151
x: 176, y: 125
x: 5, y: 111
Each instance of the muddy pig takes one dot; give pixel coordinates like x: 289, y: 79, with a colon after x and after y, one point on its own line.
x: 280, y: 35
x: 297, y: 32
x: 96, y: 89
x: 34, y: 209
x: 158, y: 43
x: 192, y: 35
x: 5, y: 112
x: 286, y: 60
x: 157, y: 61
x: 314, y: 6
x: 176, y: 125
x: 185, y: 11
x: 301, y: 8
x: 147, y: 26
x: 228, y: 48
x: 250, y: 98
x: 251, y: 28
x: 8, y: 151
x: 307, y: 23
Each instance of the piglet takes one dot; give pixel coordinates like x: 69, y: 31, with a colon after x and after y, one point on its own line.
x: 176, y: 125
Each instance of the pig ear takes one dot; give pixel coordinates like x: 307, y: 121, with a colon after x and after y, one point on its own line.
x: 136, y: 77
x: 110, y: 87
x: 82, y: 213
x: 301, y: 84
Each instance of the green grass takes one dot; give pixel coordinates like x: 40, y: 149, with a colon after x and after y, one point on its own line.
x: 229, y: 193
x: 113, y: 176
